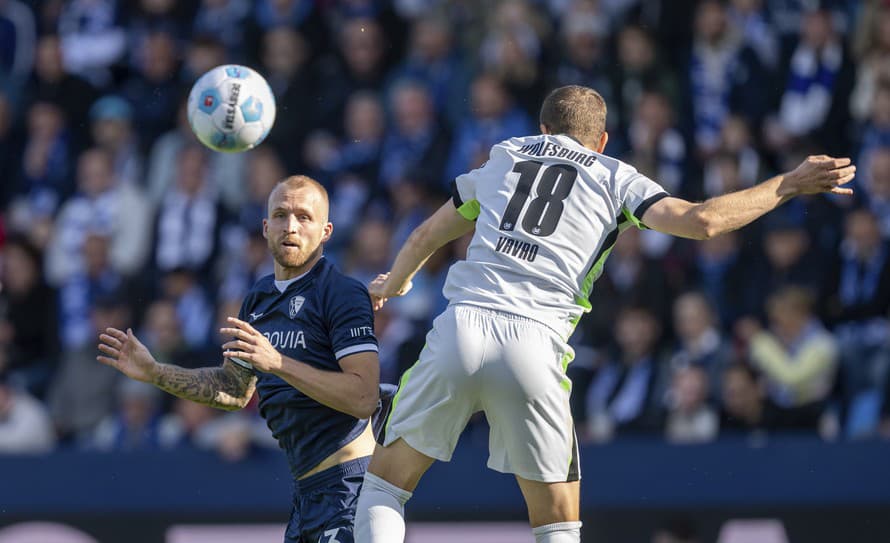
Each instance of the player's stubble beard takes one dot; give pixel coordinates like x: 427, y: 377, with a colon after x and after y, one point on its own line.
x: 293, y: 260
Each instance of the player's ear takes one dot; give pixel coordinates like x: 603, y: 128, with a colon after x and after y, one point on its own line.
x: 544, y: 129
x: 604, y: 139
x: 265, y: 229
x: 328, y: 231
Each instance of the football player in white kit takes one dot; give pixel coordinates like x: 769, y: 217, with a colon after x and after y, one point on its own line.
x: 546, y: 211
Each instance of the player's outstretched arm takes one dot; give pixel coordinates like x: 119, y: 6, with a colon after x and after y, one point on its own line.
x: 445, y: 225
x: 732, y: 211
x: 229, y: 387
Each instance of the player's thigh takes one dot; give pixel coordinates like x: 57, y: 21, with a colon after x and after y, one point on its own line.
x: 327, y: 513
x: 438, y: 394
x: 549, y: 503
x: 525, y: 396
x: 399, y: 464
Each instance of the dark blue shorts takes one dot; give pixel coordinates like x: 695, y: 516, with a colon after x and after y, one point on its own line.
x: 324, y: 504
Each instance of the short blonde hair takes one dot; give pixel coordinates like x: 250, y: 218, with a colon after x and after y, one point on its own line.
x: 575, y: 111
x: 300, y: 181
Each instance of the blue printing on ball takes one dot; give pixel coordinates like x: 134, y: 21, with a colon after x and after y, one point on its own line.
x: 252, y: 110
x: 236, y: 72
x: 223, y: 141
x: 209, y: 101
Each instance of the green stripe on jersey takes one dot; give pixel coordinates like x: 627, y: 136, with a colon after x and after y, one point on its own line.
x: 635, y: 221
x: 470, y: 210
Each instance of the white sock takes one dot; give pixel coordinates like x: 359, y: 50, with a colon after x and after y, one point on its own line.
x: 380, y: 513
x: 560, y: 532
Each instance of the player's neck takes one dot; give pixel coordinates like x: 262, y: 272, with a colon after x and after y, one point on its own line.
x: 285, y: 273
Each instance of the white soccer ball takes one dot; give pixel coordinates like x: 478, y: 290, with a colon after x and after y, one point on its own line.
x: 231, y: 108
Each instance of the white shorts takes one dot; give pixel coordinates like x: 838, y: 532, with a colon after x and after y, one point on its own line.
x: 510, y: 367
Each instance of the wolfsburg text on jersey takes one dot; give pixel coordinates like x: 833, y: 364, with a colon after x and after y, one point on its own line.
x: 546, y: 148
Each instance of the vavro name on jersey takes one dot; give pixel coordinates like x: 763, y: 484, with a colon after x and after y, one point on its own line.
x: 518, y: 249
x: 286, y: 339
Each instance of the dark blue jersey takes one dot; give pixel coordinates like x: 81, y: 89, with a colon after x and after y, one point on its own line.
x: 318, y: 319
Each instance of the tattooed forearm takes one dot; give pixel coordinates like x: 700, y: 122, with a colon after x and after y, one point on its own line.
x: 228, y: 387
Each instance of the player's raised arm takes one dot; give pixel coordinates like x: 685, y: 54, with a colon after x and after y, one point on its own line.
x: 732, y: 211
x: 445, y: 225
x: 228, y: 387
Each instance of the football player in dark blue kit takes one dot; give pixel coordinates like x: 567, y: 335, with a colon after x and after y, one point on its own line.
x: 304, y: 340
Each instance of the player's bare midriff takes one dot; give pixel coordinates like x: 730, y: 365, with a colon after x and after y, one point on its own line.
x: 361, y: 446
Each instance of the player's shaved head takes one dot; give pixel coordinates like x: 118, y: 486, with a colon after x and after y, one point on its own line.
x: 298, y: 182
x: 575, y: 111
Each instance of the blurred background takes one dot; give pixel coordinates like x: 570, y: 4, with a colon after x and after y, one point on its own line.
x: 733, y: 390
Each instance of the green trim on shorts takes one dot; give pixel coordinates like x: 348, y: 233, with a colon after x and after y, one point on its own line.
x: 395, y: 399
x: 567, y: 358
x: 470, y: 210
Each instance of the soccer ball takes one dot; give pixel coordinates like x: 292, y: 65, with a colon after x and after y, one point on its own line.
x: 231, y: 109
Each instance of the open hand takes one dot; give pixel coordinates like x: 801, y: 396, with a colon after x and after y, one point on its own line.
x: 127, y: 354
x: 250, y: 346
x: 821, y: 173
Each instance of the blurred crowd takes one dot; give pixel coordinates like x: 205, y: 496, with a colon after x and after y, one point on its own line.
x: 111, y: 214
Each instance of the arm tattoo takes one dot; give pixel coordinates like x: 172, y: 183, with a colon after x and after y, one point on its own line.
x: 227, y: 387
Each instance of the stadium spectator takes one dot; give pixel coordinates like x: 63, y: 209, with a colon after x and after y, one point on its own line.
x: 583, y: 58
x: 51, y: 83
x: 369, y: 251
x: 657, y: 148
x: 689, y: 418
x: 245, y: 266
x: 876, y: 130
x: 194, y: 308
x: 190, y: 424
x: 493, y: 118
x: 360, y: 65
x: 225, y: 171
x: 797, y: 356
x: 433, y: 60
x: 621, y: 398
x: 25, y: 426
x: 202, y: 54
x: 789, y: 260
x: 28, y: 321
x: 17, y: 44
x: 10, y: 149
x: 629, y: 277
x: 136, y: 425
x: 285, y: 57
x: 510, y: 52
x: 358, y: 156
x: 718, y: 266
x: 856, y: 301
x: 224, y: 19
x: 82, y: 392
x: 93, y: 39
x: 735, y: 141
x: 189, y: 220
x: 714, y: 59
x: 105, y: 205
x: 164, y: 333
x: 155, y: 87
x: 878, y: 187
x: 639, y: 70
x: 45, y: 177
x: 699, y: 340
x: 111, y: 119
x: 415, y: 137
x: 814, y: 104
x: 872, y: 44
x: 745, y: 407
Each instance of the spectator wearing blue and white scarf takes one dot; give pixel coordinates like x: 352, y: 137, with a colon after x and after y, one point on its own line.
x: 711, y: 67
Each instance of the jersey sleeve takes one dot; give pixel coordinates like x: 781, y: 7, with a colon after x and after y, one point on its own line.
x: 463, y: 188
x: 636, y: 193
x: 350, y: 319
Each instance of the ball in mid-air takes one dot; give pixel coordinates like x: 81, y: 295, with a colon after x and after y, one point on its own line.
x: 231, y: 108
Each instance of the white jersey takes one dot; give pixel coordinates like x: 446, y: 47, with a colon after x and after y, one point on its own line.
x: 548, y: 211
